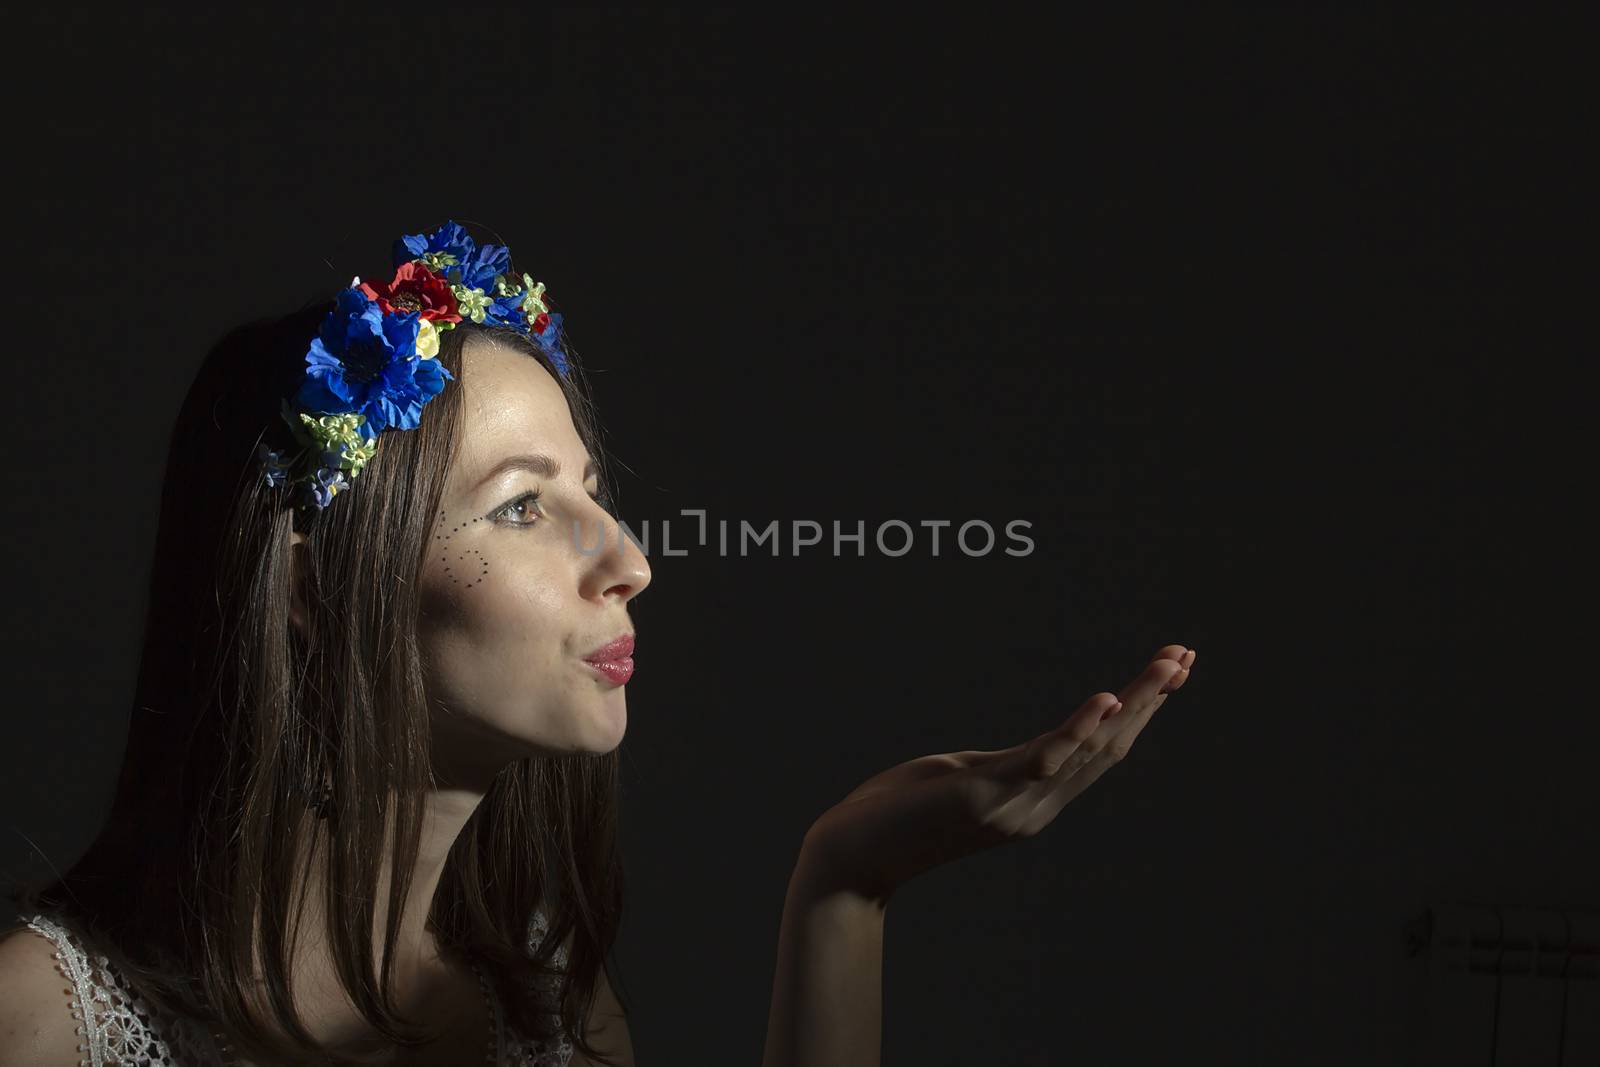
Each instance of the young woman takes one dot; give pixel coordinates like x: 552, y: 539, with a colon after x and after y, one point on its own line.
x: 367, y: 811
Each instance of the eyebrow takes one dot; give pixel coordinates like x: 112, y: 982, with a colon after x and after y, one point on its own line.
x: 536, y: 463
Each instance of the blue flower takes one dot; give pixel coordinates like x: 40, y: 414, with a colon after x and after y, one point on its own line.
x: 365, y: 361
x: 328, y: 482
x: 506, y: 311
x: 274, y: 466
x: 449, y: 238
x: 550, y: 341
x: 480, y: 267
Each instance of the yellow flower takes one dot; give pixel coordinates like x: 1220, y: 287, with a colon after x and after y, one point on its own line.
x: 427, y: 340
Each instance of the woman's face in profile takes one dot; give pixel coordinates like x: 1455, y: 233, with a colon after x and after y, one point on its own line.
x: 513, y: 597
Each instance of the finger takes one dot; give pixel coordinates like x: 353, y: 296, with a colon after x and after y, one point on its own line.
x: 1042, y: 757
x: 1113, y: 752
x: 1172, y: 652
x: 1082, y: 771
x: 1130, y: 731
x: 1059, y: 753
x: 1010, y: 791
x: 1137, y: 711
x: 1182, y: 656
x: 1108, y: 746
x: 1148, y: 686
x: 1186, y: 663
x: 1045, y: 756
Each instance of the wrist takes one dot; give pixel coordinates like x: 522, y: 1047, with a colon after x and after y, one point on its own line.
x: 820, y: 879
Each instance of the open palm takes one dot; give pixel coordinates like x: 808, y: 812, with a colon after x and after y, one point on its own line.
x: 934, y: 809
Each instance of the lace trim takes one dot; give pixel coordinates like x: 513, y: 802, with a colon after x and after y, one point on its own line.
x: 119, y: 1027
x: 556, y: 1051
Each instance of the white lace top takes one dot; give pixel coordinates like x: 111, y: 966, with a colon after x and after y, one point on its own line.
x: 120, y: 1029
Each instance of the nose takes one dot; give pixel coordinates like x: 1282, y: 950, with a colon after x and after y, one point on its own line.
x: 616, y: 570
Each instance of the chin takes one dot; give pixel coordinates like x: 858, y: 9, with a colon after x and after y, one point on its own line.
x: 610, y: 722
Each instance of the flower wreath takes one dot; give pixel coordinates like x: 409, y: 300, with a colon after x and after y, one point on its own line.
x: 372, y: 365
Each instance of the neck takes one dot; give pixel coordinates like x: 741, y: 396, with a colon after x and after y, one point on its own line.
x: 422, y: 973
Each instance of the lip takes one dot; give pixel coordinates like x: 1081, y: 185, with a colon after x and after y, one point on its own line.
x: 613, y: 651
x: 615, y: 671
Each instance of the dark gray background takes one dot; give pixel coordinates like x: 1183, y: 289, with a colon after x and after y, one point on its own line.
x: 1253, y: 316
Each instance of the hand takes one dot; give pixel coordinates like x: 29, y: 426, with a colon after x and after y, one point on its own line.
x: 938, y: 808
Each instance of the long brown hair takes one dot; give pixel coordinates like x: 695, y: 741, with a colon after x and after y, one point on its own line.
x: 239, y: 716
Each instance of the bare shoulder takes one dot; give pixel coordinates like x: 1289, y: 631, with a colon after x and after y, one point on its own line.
x: 36, y: 1023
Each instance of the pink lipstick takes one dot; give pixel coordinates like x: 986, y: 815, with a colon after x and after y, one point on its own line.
x: 614, y: 660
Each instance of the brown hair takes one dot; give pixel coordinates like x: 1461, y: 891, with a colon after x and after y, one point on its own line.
x: 192, y: 876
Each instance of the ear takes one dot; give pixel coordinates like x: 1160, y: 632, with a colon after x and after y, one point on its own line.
x: 299, y: 575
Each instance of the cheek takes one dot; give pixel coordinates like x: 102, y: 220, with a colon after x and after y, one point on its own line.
x: 484, y: 606
x: 450, y: 561
x: 496, y: 641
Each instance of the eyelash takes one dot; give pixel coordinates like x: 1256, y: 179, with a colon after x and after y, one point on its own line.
x: 532, y: 496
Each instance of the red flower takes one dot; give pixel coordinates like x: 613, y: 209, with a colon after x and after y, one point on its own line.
x: 415, y: 288
x: 540, y: 322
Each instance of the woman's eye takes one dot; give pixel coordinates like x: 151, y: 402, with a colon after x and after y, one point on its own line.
x: 524, y: 505
x: 525, y: 509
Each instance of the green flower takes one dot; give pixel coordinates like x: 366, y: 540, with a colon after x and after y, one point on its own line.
x: 533, y: 304
x: 340, y: 439
x: 437, y: 261
x: 472, y: 303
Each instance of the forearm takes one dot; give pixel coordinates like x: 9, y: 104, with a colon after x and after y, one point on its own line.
x: 827, y: 995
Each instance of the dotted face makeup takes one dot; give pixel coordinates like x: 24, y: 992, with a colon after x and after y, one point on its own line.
x: 465, y: 559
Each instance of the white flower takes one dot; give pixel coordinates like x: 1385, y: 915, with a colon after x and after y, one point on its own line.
x: 427, y: 340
